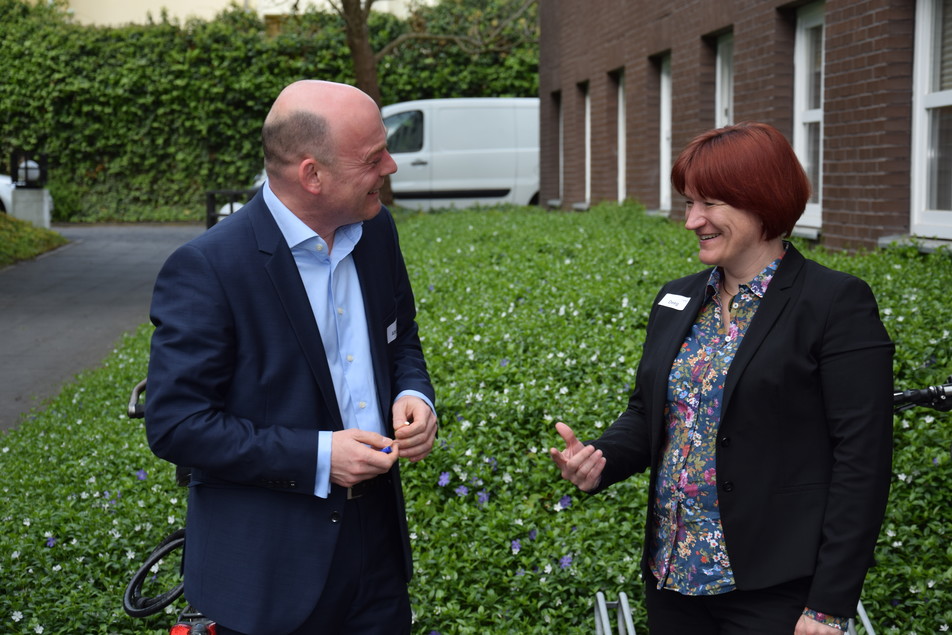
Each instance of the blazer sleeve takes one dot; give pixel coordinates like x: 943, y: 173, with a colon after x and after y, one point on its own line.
x: 201, y: 387
x: 856, y: 381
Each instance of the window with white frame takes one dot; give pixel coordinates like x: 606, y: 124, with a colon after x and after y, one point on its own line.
x: 664, y: 141
x: 587, y: 114
x: 808, y: 107
x: 931, y: 214
x: 621, y: 167
x: 724, y: 81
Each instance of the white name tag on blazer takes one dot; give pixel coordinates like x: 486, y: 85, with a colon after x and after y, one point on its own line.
x: 392, y: 332
x: 673, y: 301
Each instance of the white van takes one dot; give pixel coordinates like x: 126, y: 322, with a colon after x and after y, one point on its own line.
x: 465, y: 151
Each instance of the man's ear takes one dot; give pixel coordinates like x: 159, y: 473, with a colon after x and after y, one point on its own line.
x: 310, y: 175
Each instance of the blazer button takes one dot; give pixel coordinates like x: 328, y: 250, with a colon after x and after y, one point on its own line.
x: 335, y: 517
x: 725, y: 442
x: 728, y: 486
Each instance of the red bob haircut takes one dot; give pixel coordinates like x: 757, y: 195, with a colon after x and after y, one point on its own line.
x: 750, y: 166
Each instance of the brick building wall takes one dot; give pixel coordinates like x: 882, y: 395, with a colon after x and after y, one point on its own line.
x: 589, y: 46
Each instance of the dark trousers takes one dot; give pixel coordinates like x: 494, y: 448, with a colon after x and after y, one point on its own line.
x: 771, y: 611
x: 366, y: 593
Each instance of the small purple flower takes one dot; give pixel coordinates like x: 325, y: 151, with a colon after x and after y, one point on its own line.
x: 516, y: 546
x: 565, y: 502
x: 504, y: 362
x: 482, y: 496
x: 142, y: 475
x: 51, y: 541
x: 462, y: 490
x: 565, y: 562
x: 532, y: 534
x: 444, y: 479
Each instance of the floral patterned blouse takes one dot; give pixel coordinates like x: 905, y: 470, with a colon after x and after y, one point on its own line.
x: 687, y: 553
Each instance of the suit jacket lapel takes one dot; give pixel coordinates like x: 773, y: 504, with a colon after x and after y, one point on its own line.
x: 281, y: 268
x: 367, y: 254
x: 672, y: 327
x: 781, y: 290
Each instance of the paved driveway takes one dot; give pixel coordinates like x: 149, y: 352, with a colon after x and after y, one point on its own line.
x: 65, y: 311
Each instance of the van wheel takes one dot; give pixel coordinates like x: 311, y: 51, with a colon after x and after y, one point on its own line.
x: 535, y: 199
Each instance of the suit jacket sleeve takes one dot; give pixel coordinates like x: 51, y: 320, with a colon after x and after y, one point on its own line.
x: 199, y: 402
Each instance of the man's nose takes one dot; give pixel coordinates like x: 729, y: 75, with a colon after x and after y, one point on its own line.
x: 388, y: 165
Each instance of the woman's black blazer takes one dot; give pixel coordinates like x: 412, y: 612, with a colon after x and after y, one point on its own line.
x: 804, y: 445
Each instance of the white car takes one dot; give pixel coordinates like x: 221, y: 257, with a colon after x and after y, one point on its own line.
x: 6, y: 193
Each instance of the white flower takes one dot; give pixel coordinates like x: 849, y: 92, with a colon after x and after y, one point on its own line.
x: 37, y: 629
x: 17, y: 616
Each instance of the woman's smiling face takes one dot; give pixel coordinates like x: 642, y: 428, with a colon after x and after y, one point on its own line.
x: 727, y: 236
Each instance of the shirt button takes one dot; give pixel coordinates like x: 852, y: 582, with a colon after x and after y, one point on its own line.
x: 319, y: 247
x: 362, y: 405
x: 350, y: 358
x: 335, y: 517
x: 728, y: 486
x: 725, y: 442
x: 340, y: 311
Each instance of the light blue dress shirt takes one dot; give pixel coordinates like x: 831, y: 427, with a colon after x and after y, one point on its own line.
x: 333, y: 289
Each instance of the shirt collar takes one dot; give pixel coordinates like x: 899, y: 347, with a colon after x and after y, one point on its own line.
x: 758, y: 285
x: 296, y: 233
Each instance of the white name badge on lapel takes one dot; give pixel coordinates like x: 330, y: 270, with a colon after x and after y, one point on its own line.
x: 392, y: 332
x: 673, y: 301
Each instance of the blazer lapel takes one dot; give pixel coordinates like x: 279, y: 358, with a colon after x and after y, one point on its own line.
x: 367, y: 255
x: 281, y: 268
x: 782, y: 289
x: 670, y: 329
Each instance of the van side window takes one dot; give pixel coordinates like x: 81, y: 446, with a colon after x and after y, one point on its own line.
x: 404, y: 131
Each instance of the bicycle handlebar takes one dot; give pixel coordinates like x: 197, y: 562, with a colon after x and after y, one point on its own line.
x: 937, y: 397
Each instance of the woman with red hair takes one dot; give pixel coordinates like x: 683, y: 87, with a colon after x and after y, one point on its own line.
x: 762, y: 407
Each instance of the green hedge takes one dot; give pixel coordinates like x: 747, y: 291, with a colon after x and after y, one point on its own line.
x: 139, y: 121
x: 527, y: 318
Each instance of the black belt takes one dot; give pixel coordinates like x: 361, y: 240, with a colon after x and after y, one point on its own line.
x: 369, y: 486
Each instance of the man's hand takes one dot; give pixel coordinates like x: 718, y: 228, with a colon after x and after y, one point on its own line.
x: 414, y: 427
x: 580, y: 464
x: 352, y: 461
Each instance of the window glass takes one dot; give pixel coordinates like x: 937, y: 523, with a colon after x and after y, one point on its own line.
x: 942, y: 78
x: 814, y: 66
x: 940, y: 159
x: 404, y: 131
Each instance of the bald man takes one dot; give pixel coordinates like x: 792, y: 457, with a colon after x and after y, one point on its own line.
x: 286, y: 371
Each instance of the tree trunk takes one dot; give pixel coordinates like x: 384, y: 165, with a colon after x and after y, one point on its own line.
x: 356, y: 14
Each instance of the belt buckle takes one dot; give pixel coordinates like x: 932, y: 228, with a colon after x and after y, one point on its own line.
x: 354, y: 492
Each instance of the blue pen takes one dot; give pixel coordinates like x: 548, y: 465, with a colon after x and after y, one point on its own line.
x: 387, y: 450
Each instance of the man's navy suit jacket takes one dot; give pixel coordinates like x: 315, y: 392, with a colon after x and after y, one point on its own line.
x: 805, y: 439
x: 238, y: 389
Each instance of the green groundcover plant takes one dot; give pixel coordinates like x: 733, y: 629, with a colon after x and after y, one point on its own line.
x: 528, y: 318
